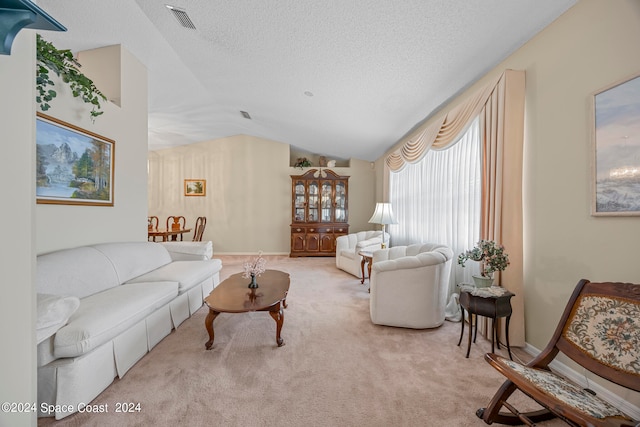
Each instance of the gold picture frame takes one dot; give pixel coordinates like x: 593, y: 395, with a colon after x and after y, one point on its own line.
x: 73, y: 166
x: 195, y: 187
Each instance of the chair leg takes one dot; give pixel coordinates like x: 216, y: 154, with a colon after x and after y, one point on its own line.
x: 491, y: 414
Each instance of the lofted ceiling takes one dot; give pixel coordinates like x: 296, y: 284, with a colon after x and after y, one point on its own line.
x: 343, y: 78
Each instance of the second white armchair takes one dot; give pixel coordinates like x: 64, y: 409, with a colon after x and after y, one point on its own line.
x: 347, y: 248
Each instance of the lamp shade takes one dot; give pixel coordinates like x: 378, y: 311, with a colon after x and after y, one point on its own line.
x: 383, y: 214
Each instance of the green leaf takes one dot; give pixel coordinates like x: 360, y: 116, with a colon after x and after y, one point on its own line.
x: 64, y: 65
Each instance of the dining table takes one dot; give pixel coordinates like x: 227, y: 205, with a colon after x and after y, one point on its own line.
x: 167, y: 233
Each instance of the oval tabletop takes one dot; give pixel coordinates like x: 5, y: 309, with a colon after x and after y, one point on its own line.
x: 234, y: 296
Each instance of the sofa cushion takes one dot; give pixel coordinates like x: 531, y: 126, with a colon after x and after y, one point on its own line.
x: 104, y: 315
x: 78, y: 271
x: 52, y: 313
x: 131, y: 259
x: 187, y: 273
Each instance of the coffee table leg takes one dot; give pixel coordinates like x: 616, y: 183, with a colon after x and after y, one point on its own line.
x: 278, y: 315
x: 362, y: 267
x: 208, y: 323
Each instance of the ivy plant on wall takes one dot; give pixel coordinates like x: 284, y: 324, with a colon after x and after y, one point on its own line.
x: 64, y: 65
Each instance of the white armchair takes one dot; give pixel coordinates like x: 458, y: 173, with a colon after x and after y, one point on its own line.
x: 409, y: 285
x: 348, y: 246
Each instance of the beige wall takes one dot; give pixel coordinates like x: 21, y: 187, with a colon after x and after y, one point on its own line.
x: 591, y: 46
x: 63, y: 226
x: 248, y: 201
x: 17, y: 253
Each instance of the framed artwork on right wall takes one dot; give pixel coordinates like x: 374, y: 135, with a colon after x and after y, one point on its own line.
x: 616, y: 149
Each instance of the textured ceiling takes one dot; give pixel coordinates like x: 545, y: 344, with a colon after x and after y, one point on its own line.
x: 374, y: 68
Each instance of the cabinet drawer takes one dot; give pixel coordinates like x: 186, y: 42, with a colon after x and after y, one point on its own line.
x: 341, y: 230
x: 325, y: 230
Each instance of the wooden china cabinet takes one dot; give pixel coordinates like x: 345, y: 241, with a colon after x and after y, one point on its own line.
x: 319, y: 206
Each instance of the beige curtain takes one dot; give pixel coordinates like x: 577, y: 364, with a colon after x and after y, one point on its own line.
x: 503, y: 139
x: 500, y: 105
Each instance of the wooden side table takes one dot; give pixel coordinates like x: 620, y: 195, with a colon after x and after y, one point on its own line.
x: 483, y: 302
x: 367, y: 257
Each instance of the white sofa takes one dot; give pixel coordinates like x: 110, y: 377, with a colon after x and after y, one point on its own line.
x: 348, y: 246
x: 102, y: 307
x: 409, y: 285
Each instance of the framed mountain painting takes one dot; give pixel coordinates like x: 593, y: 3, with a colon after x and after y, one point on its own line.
x: 73, y: 166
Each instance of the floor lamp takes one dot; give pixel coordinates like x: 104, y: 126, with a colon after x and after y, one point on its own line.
x: 383, y: 215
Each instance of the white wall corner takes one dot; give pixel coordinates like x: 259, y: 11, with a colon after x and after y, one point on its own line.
x: 103, y: 66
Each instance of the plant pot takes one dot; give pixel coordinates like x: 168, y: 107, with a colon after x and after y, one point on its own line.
x: 482, y: 281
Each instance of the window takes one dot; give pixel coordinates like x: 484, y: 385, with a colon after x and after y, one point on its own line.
x: 438, y: 200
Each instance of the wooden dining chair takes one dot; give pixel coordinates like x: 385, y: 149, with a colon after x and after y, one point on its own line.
x: 600, y: 331
x: 176, y: 222
x: 152, y: 223
x: 198, y: 231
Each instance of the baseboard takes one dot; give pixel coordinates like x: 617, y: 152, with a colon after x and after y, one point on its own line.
x: 250, y: 253
x: 564, y: 370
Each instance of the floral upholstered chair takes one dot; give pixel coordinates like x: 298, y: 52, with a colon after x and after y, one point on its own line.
x: 599, y: 330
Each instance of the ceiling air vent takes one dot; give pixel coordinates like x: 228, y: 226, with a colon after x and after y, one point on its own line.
x: 182, y: 17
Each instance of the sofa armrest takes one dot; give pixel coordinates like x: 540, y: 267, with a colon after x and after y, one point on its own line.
x: 53, y: 312
x: 189, y: 251
x: 346, y: 241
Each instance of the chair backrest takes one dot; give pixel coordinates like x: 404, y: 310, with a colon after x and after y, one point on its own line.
x: 600, y: 330
x: 153, y: 222
x: 413, y: 250
x: 176, y: 222
x: 198, y: 231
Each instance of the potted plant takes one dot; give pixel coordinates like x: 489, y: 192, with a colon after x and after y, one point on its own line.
x: 253, y: 269
x: 64, y: 65
x: 302, y: 162
x: 491, y: 257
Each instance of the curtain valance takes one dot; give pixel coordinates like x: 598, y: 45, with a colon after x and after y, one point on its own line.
x: 442, y: 132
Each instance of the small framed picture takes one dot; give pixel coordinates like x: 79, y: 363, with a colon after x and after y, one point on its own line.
x: 616, y: 152
x: 195, y: 187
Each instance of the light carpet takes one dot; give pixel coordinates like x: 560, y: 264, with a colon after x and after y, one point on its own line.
x: 335, y: 369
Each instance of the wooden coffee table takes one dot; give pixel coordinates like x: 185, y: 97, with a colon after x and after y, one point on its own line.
x: 234, y: 296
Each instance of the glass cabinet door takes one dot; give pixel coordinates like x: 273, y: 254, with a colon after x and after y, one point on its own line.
x: 313, y: 202
x: 341, y: 202
x: 299, y: 200
x: 327, y: 202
